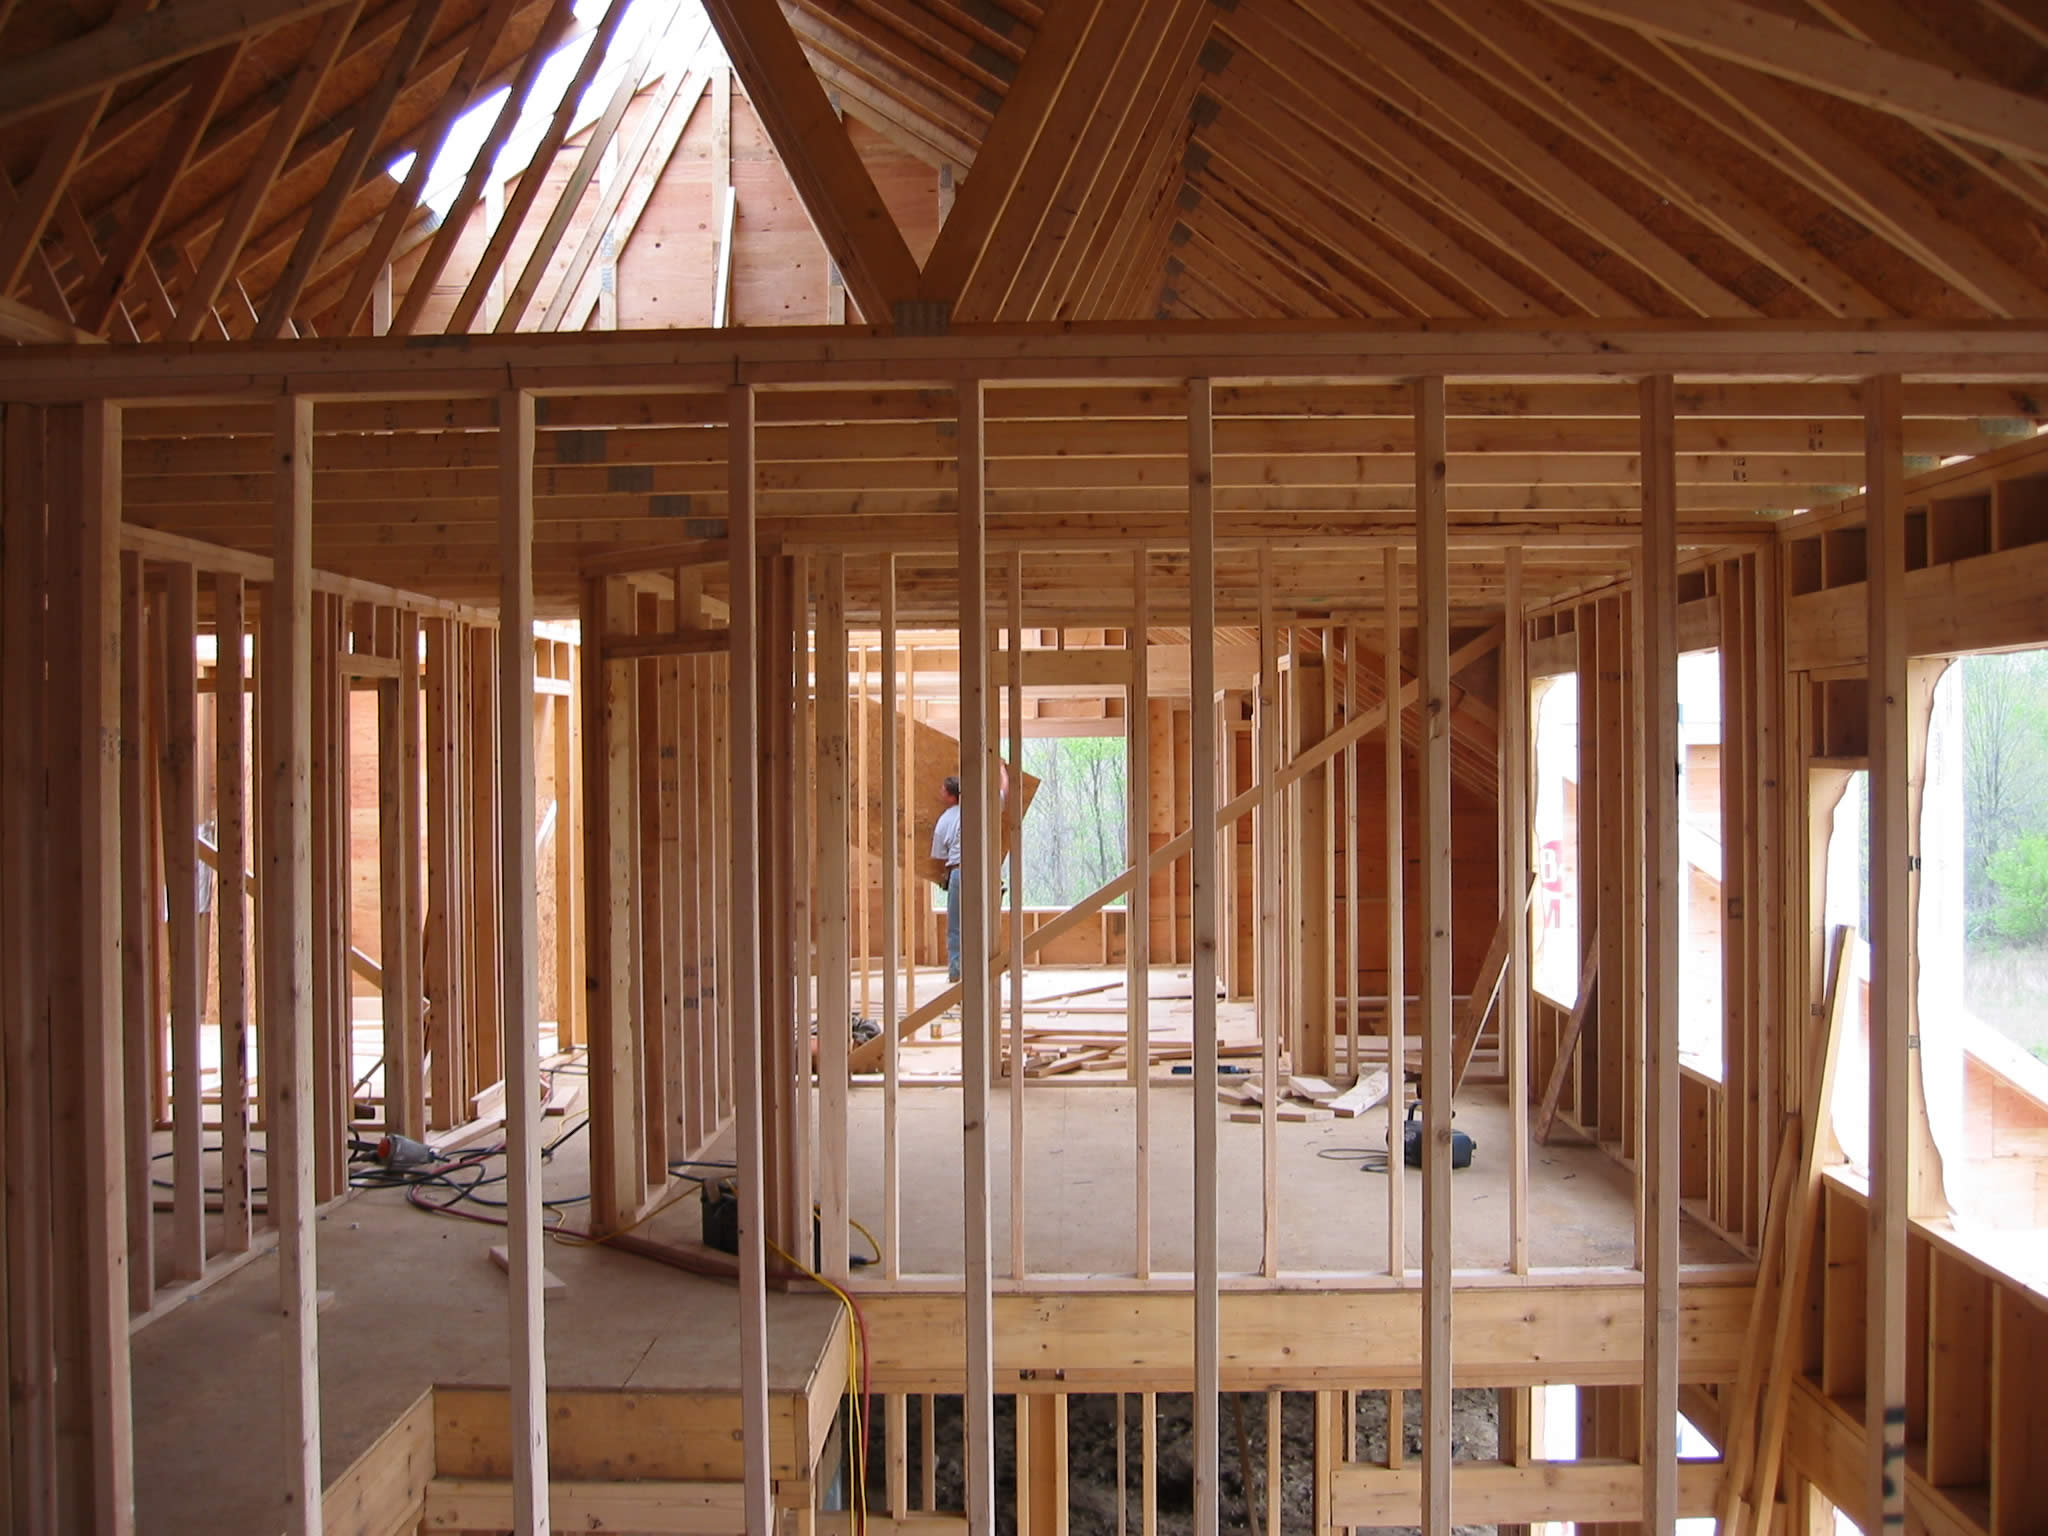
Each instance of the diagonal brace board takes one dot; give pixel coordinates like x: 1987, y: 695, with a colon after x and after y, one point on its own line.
x: 1486, y: 989
x: 837, y: 192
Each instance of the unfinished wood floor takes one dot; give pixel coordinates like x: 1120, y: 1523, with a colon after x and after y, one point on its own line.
x: 415, y: 1302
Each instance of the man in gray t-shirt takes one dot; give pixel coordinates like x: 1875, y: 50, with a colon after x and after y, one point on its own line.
x: 946, y: 851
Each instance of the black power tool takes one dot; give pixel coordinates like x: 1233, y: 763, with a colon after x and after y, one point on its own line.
x: 1411, y: 1142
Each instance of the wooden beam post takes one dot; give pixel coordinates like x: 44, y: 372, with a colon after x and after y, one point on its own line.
x: 24, y: 995
x: 178, y: 795
x: 891, y: 848
x: 1397, y: 921
x: 1267, y: 837
x: 976, y: 910
x: 287, y: 948
x: 835, y: 1009
x: 1514, y: 790
x: 1138, y: 910
x: 1433, y: 643
x: 520, y: 961
x: 140, y: 906
x: 744, y: 987
x: 1012, y: 834
x: 1891, y: 938
x: 1202, y: 890
x: 1658, y: 614
x: 231, y: 840
x: 96, y: 1480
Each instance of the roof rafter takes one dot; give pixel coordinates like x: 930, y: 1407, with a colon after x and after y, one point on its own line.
x: 1116, y: 30
x: 830, y: 178
x: 924, y: 90
x: 1117, y: 103
x: 1038, y: 103
x: 215, y: 271
x: 1357, y: 132
x: 1840, y: 65
x: 1111, y: 154
x: 347, y: 171
x: 208, y: 77
x: 138, y: 44
x: 653, y: 143
x: 585, y: 170
x: 1776, y: 124
x: 1498, y: 44
x: 1131, y: 201
x: 534, y: 177
x: 455, y: 100
x: 1363, y: 47
x: 1326, y: 242
x: 70, y: 131
x: 481, y: 168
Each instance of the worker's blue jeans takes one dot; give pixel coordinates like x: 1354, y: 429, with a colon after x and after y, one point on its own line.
x: 953, y: 923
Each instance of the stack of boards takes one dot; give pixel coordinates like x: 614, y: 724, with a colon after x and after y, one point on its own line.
x: 1305, y: 1098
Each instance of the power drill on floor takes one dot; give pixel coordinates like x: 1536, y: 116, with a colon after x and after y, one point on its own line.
x: 1411, y: 1142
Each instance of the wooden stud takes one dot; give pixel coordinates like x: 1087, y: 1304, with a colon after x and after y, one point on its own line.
x: 1891, y: 971
x: 1138, y: 909
x: 896, y: 1452
x: 835, y: 1010
x: 32, y: 1480
x: 140, y: 914
x: 401, y: 1064
x: 1267, y: 839
x: 742, y: 991
x: 178, y: 790
x: 231, y: 840
x: 520, y: 958
x: 863, y: 790
x: 1658, y: 617
x: 1148, y: 1461
x: 287, y: 952
x: 895, y: 868
x: 441, y: 966
x: 1202, y: 690
x: 413, y: 1047
x: 96, y: 1479
x: 1397, y: 922
x: 976, y: 912
x: 1013, y: 837
x: 617, y: 1147
x: 1514, y: 793
x: 1433, y: 647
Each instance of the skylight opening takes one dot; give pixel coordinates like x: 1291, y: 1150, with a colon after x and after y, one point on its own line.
x: 680, y: 28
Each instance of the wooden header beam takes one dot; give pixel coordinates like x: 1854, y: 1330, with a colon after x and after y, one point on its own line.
x: 625, y: 362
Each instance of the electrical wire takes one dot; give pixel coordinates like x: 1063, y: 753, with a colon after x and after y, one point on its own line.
x: 1369, y: 1159
x: 856, y: 1387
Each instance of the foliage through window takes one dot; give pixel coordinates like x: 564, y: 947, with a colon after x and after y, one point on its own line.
x: 1074, y: 832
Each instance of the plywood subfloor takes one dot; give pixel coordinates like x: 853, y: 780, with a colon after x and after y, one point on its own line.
x: 416, y: 1301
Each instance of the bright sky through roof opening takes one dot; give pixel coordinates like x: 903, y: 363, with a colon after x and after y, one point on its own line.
x: 679, y: 24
